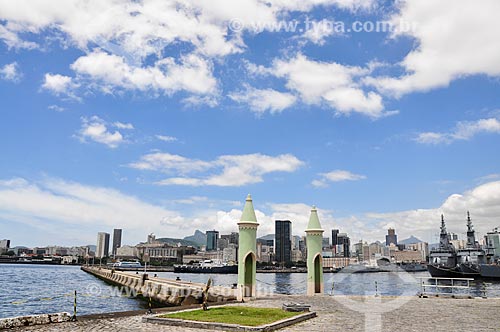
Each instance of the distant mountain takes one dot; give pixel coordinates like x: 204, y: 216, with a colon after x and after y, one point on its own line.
x: 267, y: 237
x: 199, y: 238
x: 410, y: 240
x: 175, y: 242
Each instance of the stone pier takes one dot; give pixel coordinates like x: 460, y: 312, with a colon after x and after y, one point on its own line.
x: 169, y: 292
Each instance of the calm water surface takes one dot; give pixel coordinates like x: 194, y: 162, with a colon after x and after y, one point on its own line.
x: 34, y: 289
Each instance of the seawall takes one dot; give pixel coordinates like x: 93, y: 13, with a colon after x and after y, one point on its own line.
x: 169, y: 292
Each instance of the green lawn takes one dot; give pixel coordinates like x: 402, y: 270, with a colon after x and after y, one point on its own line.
x: 247, y: 316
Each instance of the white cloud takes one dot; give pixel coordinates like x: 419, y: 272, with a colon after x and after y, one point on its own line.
x: 449, y: 35
x: 73, y: 208
x: 464, y: 130
x: 166, y: 138
x: 59, y: 84
x: 234, y: 170
x: 10, y: 72
x: 95, y: 129
x: 131, y: 37
x: 323, y: 83
x: 336, y: 176
x: 121, y: 125
x: 193, y: 74
x: 481, y: 201
x: 261, y: 101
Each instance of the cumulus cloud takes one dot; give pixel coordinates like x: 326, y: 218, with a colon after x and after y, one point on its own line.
x: 129, y: 34
x: 336, y: 176
x: 482, y: 202
x: 263, y: 100
x: 73, y: 208
x: 326, y: 83
x: 10, y: 72
x: 96, y: 129
x: 464, y: 130
x: 448, y: 35
x: 233, y: 170
x: 192, y: 74
x: 59, y: 85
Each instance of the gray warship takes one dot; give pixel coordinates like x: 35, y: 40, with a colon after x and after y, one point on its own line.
x: 473, y: 261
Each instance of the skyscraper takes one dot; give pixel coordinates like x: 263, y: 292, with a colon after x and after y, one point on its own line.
x: 283, y: 243
x: 391, y: 237
x: 344, y: 244
x: 212, y: 240
x: 102, y: 249
x: 117, y: 240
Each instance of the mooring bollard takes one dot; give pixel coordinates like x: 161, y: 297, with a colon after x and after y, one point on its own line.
x: 73, y: 319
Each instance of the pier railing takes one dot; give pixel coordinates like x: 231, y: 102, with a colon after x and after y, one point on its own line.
x: 453, y: 287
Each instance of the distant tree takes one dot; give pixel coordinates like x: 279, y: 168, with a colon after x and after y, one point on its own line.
x: 10, y: 253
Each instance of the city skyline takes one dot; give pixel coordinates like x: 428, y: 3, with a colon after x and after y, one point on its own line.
x: 144, y: 124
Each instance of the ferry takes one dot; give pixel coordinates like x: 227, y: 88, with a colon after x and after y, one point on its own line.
x: 207, y: 266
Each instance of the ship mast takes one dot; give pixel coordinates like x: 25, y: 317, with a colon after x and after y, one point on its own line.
x: 471, y: 236
x: 444, y: 240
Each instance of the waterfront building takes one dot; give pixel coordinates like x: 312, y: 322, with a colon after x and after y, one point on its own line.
x: 247, y: 251
x: 297, y: 256
x: 326, y: 243
x: 391, y: 237
x: 4, y: 246
x: 231, y: 238
x: 265, y: 250
x: 117, y: 240
x: 230, y: 254
x: 422, y: 248
x: 283, y: 241
x: 126, y: 252
x: 335, y: 242
x: 343, y: 245
x: 212, y: 240
x: 102, y: 248
x: 314, y: 233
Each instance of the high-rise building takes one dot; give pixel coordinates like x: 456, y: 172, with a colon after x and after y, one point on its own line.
x: 391, y: 237
x: 117, y: 240
x: 4, y: 246
x: 231, y: 238
x: 212, y: 240
x: 283, y: 243
x: 326, y: 243
x: 344, y: 245
x: 102, y: 249
x: 335, y: 242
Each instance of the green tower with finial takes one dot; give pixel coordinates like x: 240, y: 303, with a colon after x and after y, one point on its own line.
x: 314, y: 241
x: 247, y: 256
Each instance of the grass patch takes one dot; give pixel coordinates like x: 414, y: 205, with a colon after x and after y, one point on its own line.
x: 247, y: 316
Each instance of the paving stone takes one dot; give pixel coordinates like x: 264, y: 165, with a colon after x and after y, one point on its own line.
x: 415, y: 314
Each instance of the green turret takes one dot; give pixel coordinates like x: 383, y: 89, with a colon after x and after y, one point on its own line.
x: 247, y: 251
x: 314, y: 242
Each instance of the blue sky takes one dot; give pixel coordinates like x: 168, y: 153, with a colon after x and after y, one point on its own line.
x: 161, y: 117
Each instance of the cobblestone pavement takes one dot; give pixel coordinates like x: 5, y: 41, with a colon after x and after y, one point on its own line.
x: 410, y: 314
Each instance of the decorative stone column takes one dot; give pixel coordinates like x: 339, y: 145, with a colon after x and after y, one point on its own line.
x: 314, y: 241
x: 247, y: 257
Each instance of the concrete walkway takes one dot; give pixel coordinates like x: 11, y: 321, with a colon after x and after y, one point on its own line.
x: 343, y: 314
